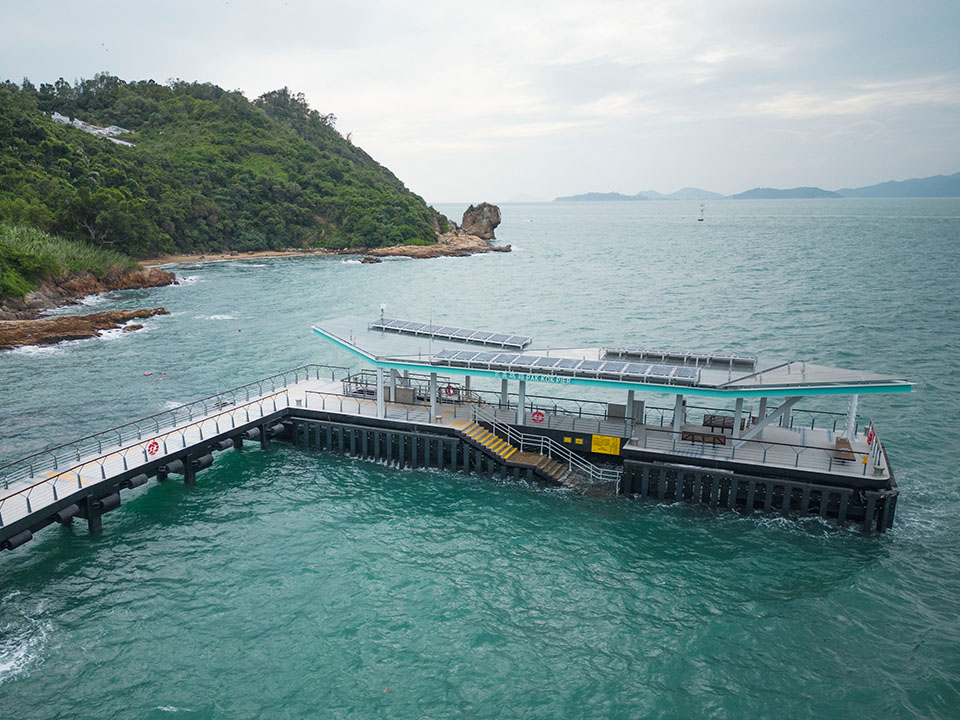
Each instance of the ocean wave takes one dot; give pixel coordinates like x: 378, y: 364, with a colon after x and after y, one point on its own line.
x: 21, y: 645
x: 214, y: 317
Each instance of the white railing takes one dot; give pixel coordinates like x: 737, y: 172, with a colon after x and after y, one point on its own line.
x: 140, y: 451
x: 543, y: 445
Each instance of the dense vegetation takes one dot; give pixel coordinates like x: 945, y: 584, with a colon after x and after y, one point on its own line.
x: 211, y: 171
x: 28, y: 255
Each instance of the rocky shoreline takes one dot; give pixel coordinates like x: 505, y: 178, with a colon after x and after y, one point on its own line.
x: 46, y: 331
x: 69, y: 291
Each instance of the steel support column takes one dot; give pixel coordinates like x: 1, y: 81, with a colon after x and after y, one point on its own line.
x: 521, y: 402
x: 433, y: 397
x: 380, y: 408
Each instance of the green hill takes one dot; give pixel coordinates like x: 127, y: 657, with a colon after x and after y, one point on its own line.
x: 209, y: 171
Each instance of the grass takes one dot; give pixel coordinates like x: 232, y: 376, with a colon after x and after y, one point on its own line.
x: 28, y: 256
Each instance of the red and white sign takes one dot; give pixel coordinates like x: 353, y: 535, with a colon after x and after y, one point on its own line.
x: 153, y: 447
x: 538, y: 416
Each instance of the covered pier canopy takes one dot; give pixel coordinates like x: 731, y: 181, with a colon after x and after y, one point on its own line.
x: 694, y: 373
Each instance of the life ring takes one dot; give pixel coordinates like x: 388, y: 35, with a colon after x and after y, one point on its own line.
x: 450, y: 390
x: 153, y: 447
x: 538, y: 416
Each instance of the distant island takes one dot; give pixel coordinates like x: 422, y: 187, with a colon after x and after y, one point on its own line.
x: 936, y: 186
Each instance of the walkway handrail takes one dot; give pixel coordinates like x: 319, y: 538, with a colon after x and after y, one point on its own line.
x: 141, y: 447
x: 545, y: 445
x: 765, y: 445
x: 52, y: 458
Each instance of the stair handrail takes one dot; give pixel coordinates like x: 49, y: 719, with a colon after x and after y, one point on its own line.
x: 549, y: 447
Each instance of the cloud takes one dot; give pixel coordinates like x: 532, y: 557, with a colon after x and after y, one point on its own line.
x: 644, y: 93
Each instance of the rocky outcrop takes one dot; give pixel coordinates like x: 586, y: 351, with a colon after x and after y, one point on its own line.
x: 481, y: 220
x: 45, y: 331
x: 68, y: 290
x: 453, y: 244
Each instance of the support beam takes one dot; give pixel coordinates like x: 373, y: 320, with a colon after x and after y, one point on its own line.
x: 737, y: 417
x: 466, y: 383
x: 393, y: 385
x: 763, y: 409
x: 851, y: 431
x: 380, y: 408
x: 521, y: 402
x: 786, y: 417
x: 504, y: 395
x: 784, y: 410
x: 678, y: 413
x: 630, y: 400
x: 433, y: 397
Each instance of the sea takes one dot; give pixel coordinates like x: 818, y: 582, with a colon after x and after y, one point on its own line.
x: 300, y: 584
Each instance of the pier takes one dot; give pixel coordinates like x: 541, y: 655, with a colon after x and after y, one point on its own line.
x: 470, y: 409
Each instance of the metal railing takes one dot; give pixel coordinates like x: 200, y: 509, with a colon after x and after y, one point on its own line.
x: 144, y: 450
x: 54, y: 458
x: 543, y: 445
x: 804, y: 457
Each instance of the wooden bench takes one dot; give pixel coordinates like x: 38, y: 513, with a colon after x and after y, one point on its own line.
x: 704, y: 437
x: 842, y: 450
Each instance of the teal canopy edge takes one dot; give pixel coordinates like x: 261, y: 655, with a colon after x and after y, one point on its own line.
x: 772, y: 391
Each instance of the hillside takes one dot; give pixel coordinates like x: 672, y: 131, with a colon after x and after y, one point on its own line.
x: 202, y: 170
x: 789, y: 194
x: 929, y: 187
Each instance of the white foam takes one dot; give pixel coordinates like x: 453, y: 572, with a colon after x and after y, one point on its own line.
x: 188, y: 280
x: 214, y: 317
x: 350, y: 262
x: 173, y: 708
x: 57, y: 349
x: 21, y: 646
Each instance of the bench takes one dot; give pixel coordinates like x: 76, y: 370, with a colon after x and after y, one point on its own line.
x: 842, y: 450
x: 704, y: 437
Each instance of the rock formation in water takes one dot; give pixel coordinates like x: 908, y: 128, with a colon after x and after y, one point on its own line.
x: 481, y: 220
x: 45, y: 331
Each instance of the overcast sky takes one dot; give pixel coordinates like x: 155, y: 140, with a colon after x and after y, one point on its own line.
x: 499, y: 101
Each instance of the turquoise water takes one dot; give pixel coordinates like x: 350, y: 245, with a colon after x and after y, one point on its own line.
x: 296, y: 584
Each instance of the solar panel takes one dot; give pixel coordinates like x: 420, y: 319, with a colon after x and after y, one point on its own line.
x: 614, y: 368
x: 684, y: 356
x: 466, y: 335
x: 590, y: 365
x: 505, y: 358
x: 445, y: 354
x: 465, y: 355
x: 567, y: 363
x: 686, y: 372
x: 484, y: 357
x: 525, y: 360
x: 546, y: 362
x: 518, y: 340
x: 636, y: 369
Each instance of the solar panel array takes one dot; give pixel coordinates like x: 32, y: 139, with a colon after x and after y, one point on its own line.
x: 695, y: 358
x: 573, y: 367
x: 448, y: 332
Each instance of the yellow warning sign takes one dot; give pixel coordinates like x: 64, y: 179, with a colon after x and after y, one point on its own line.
x: 605, y: 444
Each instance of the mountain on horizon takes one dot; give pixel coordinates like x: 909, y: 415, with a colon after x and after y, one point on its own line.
x: 687, y: 193
x: 791, y: 193
x: 935, y: 186
x: 931, y: 187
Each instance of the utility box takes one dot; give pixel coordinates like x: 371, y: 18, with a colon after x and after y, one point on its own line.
x: 616, y: 411
x: 406, y: 395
